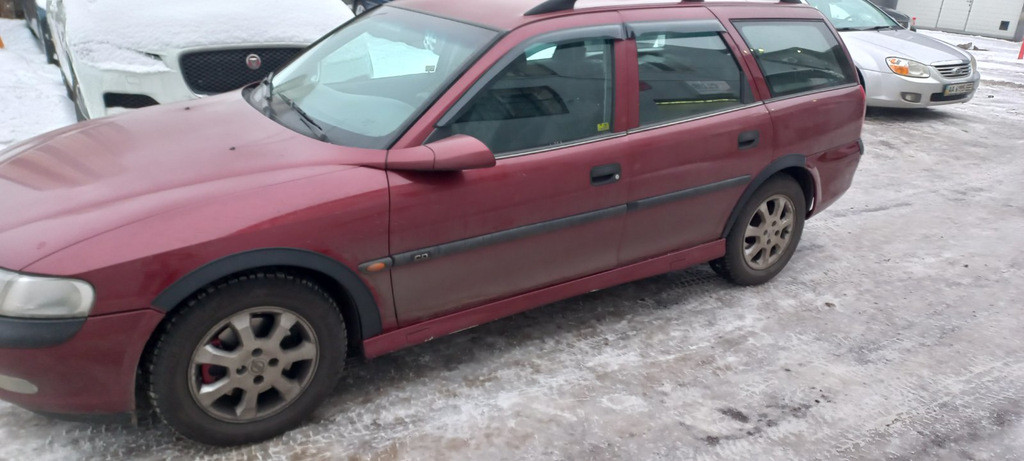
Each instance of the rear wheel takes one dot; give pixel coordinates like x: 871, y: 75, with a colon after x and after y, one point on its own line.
x: 766, y: 234
x: 248, y: 359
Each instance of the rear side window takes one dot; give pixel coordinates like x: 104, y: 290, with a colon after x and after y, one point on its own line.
x: 797, y: 56
x: 684, y: 75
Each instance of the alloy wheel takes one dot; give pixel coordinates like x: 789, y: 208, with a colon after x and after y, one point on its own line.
x: 768, y: 232
x: 253, y: 365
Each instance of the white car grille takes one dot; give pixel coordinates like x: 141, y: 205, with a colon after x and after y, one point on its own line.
x: 955, y: 70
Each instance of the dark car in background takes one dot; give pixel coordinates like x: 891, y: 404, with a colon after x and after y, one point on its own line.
x: 35, y: 19
x: 889, y: 7
x: 362, y: 6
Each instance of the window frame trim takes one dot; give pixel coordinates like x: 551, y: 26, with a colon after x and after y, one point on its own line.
x: 705, y: 115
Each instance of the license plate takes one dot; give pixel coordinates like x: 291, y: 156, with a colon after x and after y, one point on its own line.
x: 958, y: 88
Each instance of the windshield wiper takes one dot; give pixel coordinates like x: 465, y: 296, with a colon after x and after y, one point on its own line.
x: 317, y: 130
x: 861, y: 29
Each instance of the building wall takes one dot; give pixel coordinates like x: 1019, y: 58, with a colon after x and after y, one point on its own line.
x: 981, y: 17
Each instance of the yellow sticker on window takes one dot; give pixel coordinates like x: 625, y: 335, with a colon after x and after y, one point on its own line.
x: 604, y: 126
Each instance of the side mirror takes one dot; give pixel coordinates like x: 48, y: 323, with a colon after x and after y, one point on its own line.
x: 456, y: 153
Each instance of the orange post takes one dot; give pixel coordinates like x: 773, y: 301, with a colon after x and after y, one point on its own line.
x: 1019, y: 56
x: 1, y: 43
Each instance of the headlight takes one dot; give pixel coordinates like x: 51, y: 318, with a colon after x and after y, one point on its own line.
x: 907, y: 68
x: 974, y: 63
x: 29, y: 296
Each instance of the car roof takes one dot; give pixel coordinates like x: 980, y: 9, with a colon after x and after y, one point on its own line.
x: 511, y: 14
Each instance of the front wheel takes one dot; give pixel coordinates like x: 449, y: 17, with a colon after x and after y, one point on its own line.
x: 248, y: 359
x: 766, y: 234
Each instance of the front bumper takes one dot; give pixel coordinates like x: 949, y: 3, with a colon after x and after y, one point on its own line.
x: 74, y: 369
x: 163, y: 87
x: 886, y: 89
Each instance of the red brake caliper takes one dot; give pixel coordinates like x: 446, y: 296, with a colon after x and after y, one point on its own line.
x: 205, y: 369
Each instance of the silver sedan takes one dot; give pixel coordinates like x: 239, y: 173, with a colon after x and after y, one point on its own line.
x: 900, y: 68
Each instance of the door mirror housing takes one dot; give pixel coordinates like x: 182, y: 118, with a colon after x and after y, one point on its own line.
x: 455, y: 153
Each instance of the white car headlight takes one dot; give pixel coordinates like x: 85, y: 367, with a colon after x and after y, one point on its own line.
x: 974, y: 63
x: 907, y: 68
x: 29, y: 296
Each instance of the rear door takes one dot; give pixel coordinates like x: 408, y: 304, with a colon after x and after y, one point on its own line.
x: 699, y: 133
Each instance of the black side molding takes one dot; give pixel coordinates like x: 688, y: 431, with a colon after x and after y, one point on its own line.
x: 472, y: 243
x: 360, y: 296
x: 37, y: 333
x: 459, y: 246
x: 687, y: 193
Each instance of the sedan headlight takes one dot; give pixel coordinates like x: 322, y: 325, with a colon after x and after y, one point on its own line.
x: 907, y: 68
x: 974, y: 63
x: 29, y: 296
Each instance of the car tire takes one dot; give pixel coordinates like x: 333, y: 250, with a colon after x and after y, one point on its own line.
x: 247, y: 359
x: 765, y: 234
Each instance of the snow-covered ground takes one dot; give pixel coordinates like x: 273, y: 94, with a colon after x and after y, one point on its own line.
x: 895, y: 333
x: 32, y: 96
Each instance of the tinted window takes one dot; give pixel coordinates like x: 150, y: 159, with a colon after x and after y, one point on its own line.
x: 552, y: 94
x: 797, y: 56
x: 683, y: 75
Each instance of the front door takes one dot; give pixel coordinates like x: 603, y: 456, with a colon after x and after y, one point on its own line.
x: 552, y: 208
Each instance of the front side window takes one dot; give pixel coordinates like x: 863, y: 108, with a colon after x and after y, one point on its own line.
x: 797, y: 56
x: 551, y: 94
x: 362, y: 85
x: 683, y: 75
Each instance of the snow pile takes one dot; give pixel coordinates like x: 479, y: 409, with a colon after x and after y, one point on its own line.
x: 117, y: 34
x: 32, y: 97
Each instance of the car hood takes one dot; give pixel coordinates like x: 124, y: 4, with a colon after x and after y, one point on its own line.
x: 901, y: 43
x: 68, y: 185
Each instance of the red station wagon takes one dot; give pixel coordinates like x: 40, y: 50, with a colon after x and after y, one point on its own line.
x: 430, y: 166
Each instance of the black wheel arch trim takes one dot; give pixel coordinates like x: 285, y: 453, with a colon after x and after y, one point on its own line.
x: 18, y: 333
x: 779, y: 164
x: 362, y: 300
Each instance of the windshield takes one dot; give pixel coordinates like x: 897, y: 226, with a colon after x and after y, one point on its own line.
x: 363, y: 85
x: 853, y: 14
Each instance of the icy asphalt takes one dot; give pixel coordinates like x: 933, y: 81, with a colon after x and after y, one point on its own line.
x: 896, y: 332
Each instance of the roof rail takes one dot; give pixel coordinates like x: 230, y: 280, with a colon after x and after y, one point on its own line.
x: 551, y: 6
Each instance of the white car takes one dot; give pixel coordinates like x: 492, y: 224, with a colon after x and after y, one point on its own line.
x: 900, y: 68
x: 117, y: 55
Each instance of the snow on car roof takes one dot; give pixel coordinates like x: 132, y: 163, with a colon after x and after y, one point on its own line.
x: 116, y: 33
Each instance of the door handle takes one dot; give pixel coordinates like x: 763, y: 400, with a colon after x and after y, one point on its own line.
x: 749, y: 139
x: 605, y: 174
